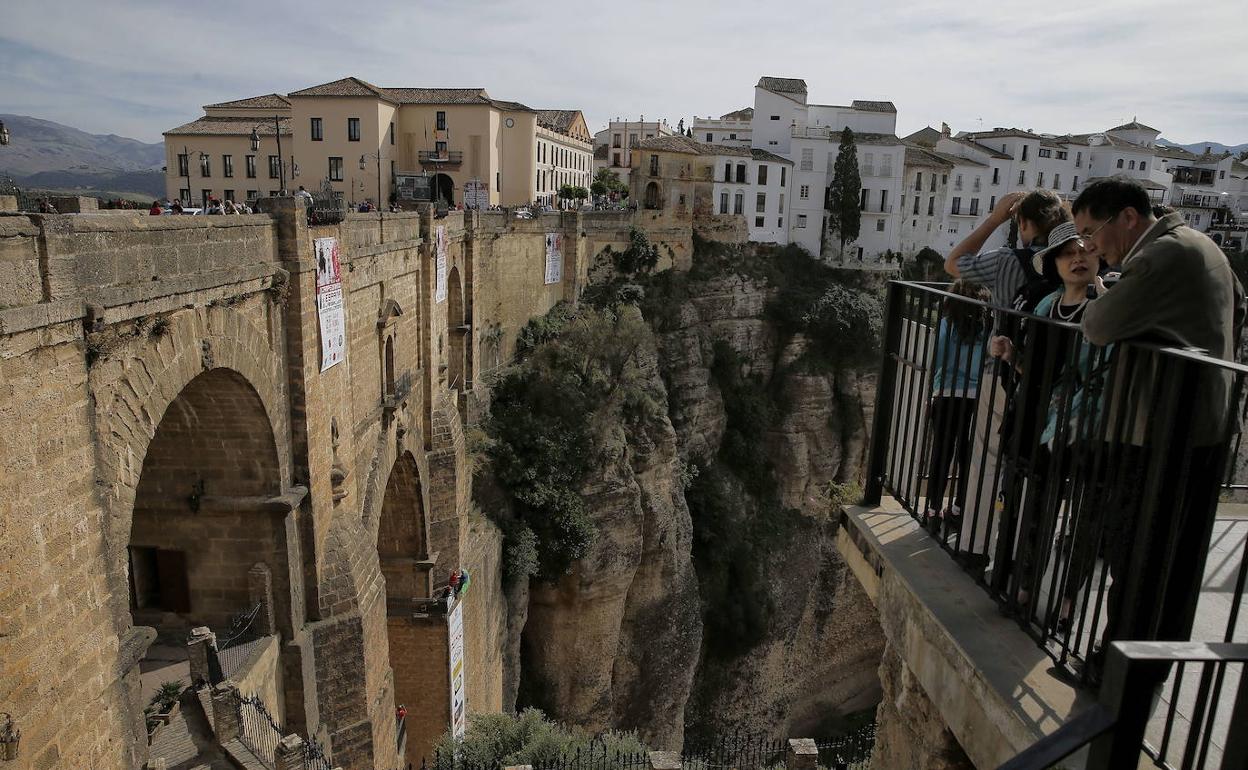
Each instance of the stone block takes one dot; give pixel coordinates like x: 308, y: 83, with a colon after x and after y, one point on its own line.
x: 200, y: 649
x: 802, y: 754
x: 664, y: 760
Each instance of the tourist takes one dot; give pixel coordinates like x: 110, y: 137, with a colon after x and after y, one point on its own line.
x: 1177, y: 289
x: 1014, y: 284
x: 305, y: 195
x: 956, y: 365
x: 156, y: 209
x: 176, y: 208
x: 1063, y: 453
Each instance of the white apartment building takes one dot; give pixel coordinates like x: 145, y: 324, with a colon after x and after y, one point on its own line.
x: 732, y: 129
x: 614, y: 144
x: 564, y: 153
x: 757, y: 185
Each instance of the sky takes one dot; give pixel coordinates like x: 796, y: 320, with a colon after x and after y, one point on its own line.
x: 137, y: 69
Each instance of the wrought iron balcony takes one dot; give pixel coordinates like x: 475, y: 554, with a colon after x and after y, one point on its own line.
x: 445, y: 159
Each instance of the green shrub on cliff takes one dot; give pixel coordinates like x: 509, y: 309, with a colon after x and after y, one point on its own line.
x: 579, y: 379
x: 529, y: 738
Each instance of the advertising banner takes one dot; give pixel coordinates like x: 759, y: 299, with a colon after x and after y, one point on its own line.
x: 554, y: 257
x: 329, y: 304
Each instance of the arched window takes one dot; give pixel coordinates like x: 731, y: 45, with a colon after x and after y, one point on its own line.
x: 652, y: 196
x: 723, y: 202
x: 738, y: 203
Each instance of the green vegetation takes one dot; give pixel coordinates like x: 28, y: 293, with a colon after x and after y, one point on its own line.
x: 573, y: 192
x: 529, y: 738
x: 578, y: 380
x: 844, y: 204
x: 606, y: 182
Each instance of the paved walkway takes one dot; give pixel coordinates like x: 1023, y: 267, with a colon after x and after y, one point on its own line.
x: 187, y: 742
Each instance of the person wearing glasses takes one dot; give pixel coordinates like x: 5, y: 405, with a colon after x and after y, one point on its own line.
x: 1176, y: 289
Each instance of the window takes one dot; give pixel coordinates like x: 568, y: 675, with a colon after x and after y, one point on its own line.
x: 1025, y: 149
x: 992, y: 203
x: 205, y: 166
x: 944, y: 179
x: 250, y: 163
x: 253, y: 194
x: 957, y: 182
x: 335, y: 169
x: 741, y: 173
x: 392, y: 133
x: 1195, y: 220
x: 615, y: 140
x: 884, y: 201
x: 868, y: 164
x: 440, y: 120
x: 803, y: 192
x: 762, y: 174
x: 353, y: 129
x: 1057, y: 181
x: 859, y: 253
x: 1120, y: 163
x: 732, y: 136
x: 632, y: 141
x: 862, y: 199
x: 738, y: 203
x: 808, y: 159
x: 1043, y: 153
x: 933, y: 185
x: 498, y: 181
x: 318, y: 131
x: 782, y: 203
x: 783, y: 174
x: 974, y: 207
x: 229, y: 195
x: 1131, y: 165
x: 775, y: 117
x: 996, y: 176
x: 615, y: 159
x: 760, y: 203
x: 709, y: 137
x: 727, y: 172
x: 879, y: 225
x: 1222, y: 174
x: 227, y: 166
x: 1143, y: 164
x: 758, y: 221
x: 957, y: 206
x: 654, y: 165
x: 887, y: 160
x: 1078, y: 159
x: 931, y: 205
x: 439, y: 149
x: 275, y: 167
x: 1074, y: 185
x: 204, y: 195
x: 723, y: 202
x: 916, y: 204
x: 801, y: 221
x: 1022, y: 177
x: 184, y: 195
x: 184, y: 167
x: 1039, y: 179
x: 918, y: 181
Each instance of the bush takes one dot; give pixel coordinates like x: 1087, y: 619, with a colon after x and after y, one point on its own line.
x: 529, y: 738
x: 845, y: 325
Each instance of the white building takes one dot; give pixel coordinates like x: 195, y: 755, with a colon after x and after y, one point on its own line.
x: 564, y: 154
x: 756, y: 184
x: 614, y: 144
x: 732, y: 129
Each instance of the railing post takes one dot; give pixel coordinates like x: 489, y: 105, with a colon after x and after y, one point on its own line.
x: 289, y: 753
x: 260, y: 591
x: 1127, y: 693
x: 226, y: 719
x: 803, y: 754
x: 885, y: 395
x: 201, y: 652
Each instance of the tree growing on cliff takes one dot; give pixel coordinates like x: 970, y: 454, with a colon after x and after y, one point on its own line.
x: 843, y: 202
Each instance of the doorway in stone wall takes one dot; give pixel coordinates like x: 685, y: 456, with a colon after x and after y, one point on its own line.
x: 444, y: 189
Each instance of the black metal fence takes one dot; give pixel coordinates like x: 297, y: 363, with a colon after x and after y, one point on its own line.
x: 261, y: 733
x: 230, y: 653
x: 1077, y: 483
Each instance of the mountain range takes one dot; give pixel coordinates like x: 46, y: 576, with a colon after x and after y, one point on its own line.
x: 47, y: 155
x: 1215, y: 147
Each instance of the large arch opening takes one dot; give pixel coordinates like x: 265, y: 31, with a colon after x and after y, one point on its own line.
x: 652, y: 196
x: 444, y: 189
x: 205, y: 547
x: 457, y: 330
x: 416, y: 628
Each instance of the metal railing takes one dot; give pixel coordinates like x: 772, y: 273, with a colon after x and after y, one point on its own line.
x: 1115, y: 728
x: 1077, y: 484
x: 433, y: 157
x: 258, y: 730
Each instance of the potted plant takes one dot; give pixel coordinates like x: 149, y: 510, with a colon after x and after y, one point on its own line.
x: 165, y: 701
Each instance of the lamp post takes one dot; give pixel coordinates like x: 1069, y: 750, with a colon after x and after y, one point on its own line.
x: 187, y: 154
x: 277, y: 132
x: 363, y: 165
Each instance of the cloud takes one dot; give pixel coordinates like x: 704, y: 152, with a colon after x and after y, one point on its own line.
x: 132, y: 68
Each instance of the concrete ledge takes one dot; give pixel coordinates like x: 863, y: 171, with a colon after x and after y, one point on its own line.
x: 993, y: 686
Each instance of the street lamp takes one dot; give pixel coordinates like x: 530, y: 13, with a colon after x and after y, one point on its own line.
x: 277, y: 132
x: 363, y: 165
x: 187, y: 173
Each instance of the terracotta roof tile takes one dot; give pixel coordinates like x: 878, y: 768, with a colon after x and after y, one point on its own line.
x: 266, y: 102
x: 869, y: 106
x: 350, y: 86
x: 783, y: 85
x: 227, y: 126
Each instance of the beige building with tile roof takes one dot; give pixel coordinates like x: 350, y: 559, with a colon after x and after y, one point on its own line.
x: 361, y: 139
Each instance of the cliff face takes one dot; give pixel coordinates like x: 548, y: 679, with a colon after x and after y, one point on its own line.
x: 769, y: 632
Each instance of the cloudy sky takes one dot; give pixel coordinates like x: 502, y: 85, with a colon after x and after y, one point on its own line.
x: 138, y: 68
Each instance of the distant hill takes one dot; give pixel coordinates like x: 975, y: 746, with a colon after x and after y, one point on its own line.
x: 1199, y: 147
x: 42, y: 154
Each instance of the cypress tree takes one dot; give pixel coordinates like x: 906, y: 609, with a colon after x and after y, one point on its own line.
x: 844, y: 214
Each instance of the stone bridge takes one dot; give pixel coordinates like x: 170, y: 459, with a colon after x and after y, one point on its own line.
x: 168, y: 423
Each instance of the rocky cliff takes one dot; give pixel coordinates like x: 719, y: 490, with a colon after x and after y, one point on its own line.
x: 712, y: 596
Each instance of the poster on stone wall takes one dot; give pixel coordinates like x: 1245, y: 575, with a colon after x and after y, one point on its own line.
x: 439, y: 241
x: 329, y: 305
x: 459, y: 712
x: 554, y: 258
x: 476, y: 195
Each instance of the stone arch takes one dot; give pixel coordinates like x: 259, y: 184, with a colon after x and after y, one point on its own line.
x: 652, y: 198
x: 444, y: 189
x: 403, y: 531
x: 457, y: 331
x: 202, y: 515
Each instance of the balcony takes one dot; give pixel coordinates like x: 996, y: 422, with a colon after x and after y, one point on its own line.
x: 445, y: 159
x: 1000, y: 609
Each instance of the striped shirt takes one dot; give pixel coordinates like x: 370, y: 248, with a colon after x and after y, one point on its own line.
x: 998, y: 269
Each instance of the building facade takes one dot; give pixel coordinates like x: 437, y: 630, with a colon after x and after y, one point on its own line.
x: 614, y: 145
x: 565, y: 154
x: 732, y: 129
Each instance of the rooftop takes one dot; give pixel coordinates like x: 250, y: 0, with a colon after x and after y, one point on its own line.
x: 265, y: 102
x: 869, y: 106
x: 783, y: 85
x: 1135, y: 125
x: 925, y: 137
x: 557, y: 120
x: 352, y: 86
x: 924, y: 158
x: 745, y: 113
x: 227, y: 126
x: 963, y: 140
x: 349, y: 86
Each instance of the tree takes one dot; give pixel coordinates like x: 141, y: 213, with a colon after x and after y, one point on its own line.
x: 567, y: 192
x: 844, y: 214
x: 610, y: 182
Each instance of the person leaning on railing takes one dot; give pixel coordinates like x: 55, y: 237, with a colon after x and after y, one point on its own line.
x: 1176, y: 289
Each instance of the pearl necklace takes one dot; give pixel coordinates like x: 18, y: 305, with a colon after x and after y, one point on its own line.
x: 1057, y: 310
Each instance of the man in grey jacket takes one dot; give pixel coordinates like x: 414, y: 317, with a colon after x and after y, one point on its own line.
x: 1177, y: 290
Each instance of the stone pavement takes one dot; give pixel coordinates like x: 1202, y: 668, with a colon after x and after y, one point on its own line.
x: 187, y: 742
